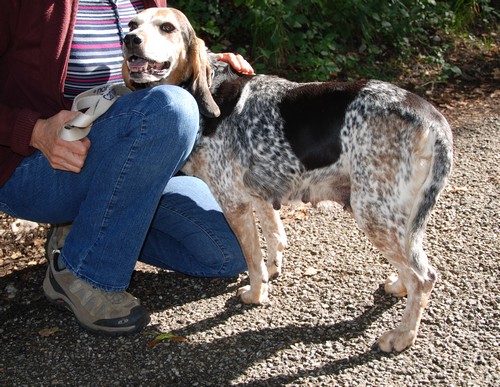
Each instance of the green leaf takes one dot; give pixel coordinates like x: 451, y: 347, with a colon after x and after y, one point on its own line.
x: 166, y: 336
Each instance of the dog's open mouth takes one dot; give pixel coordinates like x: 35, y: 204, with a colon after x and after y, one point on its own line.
x: 142, y: 68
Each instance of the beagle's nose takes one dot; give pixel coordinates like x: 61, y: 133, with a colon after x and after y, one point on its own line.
x: 132, y: 40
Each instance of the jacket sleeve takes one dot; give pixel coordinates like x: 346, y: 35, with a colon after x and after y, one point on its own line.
x: 16, y: 125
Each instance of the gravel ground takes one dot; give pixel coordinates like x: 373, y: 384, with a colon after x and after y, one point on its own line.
x: 327, y: 308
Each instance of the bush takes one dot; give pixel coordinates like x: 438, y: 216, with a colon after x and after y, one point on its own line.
x: 323, y: 39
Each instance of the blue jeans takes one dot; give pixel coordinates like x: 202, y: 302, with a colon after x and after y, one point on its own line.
x: 126, y: 203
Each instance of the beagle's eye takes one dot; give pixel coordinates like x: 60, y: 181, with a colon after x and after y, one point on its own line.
x: 167, y: 27
x: 132, y: 25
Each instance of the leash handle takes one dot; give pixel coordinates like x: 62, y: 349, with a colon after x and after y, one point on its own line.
x: 96, y: 101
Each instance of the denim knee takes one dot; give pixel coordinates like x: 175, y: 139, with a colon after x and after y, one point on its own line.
x: 174, y: 105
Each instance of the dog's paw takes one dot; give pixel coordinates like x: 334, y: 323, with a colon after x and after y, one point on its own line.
x: 273, y: 271
x: 250, y: 296
x: 394, y: 285
x: 396, y: 340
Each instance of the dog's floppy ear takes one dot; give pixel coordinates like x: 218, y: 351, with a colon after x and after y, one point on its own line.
x: 200, y: 87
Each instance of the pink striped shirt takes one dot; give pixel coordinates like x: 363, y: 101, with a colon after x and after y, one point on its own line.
x: 96, y: 50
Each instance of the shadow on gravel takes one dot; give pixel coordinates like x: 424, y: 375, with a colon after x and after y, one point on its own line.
x: 19, y: 290
x: 265, y: 343
x: 253, y: 346
x: 230, y: 356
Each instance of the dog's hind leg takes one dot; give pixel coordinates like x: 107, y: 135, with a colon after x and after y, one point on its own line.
x: 416, y: 276
x: 393, y: 206
x: 418, y: 286
x: 274, y: 234
x: 395, y: 286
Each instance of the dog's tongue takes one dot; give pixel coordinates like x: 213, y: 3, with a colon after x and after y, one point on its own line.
x: 138, y: 65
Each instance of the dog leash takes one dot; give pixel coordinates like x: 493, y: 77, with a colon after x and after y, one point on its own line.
x: 95, y: 102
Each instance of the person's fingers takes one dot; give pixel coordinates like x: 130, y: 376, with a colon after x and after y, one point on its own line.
x: 237, y: 62
x: 75, y: 154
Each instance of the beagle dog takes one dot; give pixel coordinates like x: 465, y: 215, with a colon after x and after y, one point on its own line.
x: 383, y: 153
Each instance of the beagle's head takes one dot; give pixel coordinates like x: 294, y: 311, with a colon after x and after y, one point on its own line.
x: 162, y: 49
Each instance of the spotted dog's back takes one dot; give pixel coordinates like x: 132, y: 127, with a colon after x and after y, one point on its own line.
x: 383, y: 153
x: 304, y: 141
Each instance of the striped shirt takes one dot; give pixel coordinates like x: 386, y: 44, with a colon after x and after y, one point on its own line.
x: 96, y: 50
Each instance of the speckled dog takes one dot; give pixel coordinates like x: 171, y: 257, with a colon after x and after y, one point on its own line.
x: 383, y: 153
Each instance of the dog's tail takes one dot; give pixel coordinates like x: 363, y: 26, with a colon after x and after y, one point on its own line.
x: 433, y: 185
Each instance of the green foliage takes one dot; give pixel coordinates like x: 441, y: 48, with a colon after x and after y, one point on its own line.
x: 322, y: 39
x: 469, y: 12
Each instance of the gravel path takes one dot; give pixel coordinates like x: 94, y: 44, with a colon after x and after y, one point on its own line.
x: 327, y: 308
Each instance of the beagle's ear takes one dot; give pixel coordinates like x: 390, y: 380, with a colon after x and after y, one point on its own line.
x: 200, y: 87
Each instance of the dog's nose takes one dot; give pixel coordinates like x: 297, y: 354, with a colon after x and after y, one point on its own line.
x: 132, y: 40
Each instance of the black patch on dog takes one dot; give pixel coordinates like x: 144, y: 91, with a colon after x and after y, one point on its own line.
x: 226, y: 90
x: 314, y: 114
x: 226, y: 96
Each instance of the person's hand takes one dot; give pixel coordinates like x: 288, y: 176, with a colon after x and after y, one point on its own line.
x: 64, y: 155
x: 237, y: 62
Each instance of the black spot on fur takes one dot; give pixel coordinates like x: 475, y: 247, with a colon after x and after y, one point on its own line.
x: 314, y: 115
x: 226, y: 89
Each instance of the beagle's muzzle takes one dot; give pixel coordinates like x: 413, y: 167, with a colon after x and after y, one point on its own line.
x: 162, y: 49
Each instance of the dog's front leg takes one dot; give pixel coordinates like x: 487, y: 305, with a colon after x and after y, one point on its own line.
x: 274, y: 234
x: 243, y: 224
x: 238, y: 210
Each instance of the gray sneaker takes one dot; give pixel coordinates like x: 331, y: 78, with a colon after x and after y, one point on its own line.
x: 56, y: 238
x: 101, y: 312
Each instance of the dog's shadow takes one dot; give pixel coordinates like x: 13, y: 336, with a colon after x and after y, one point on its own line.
x: 164, y: 289
x: 256, y: 345
x: 243, y: 349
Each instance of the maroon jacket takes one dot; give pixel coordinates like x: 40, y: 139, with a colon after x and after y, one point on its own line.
x: 35, y: 41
